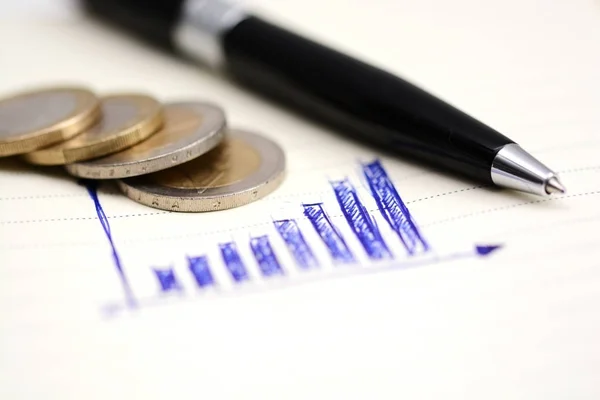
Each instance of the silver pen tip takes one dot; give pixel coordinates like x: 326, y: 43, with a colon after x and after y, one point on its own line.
x: 514, y: 168
x: 553, y: 185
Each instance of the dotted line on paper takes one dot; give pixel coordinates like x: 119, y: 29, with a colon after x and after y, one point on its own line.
x: 126, y: 240
x: 262, y: 224
x: 447, y: 193
x: 32, y: 221
x: 591, y: 168
x: 568, y: 171
x: 42, y: 196
x: 49, y: 196
x: 332, y: 216
x: 443, y: 221
x: 54, y: 196
x: 336, y: 216
x: 25, y: 246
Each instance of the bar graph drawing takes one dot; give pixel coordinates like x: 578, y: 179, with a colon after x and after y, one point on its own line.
x: 310, y: 244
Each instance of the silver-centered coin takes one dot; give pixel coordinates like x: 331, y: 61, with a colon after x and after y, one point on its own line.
x: 190, y: 130
x: 243, y: 168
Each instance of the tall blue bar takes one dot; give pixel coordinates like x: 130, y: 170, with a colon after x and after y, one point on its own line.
x: 392, y: 208
x: 296, y: 243
x: 329, y: 234
x: 362, y: 224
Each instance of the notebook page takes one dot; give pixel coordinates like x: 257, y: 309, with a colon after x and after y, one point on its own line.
x: 456, y: 291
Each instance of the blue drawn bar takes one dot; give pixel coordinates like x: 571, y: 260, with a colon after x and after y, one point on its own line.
x: 265, y: 257
x: 167, y: 279
x: 363, y: 225
x: 233, y: 262
x: 200, y: 269
x: 333, y: 239
x: 392, y: 207
x: 296, y: 244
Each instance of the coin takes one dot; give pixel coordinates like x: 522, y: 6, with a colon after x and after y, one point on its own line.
x: 35, y: 119
x: 126, y: 119
x: 190, y: 130
x: 243, y: 168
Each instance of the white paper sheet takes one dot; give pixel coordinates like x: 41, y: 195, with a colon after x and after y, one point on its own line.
x: 78, y: 320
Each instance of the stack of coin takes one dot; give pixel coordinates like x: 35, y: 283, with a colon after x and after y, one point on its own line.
x: 178, y: 156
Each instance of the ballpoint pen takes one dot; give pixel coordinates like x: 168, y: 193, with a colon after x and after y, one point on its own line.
x: 359, y: 100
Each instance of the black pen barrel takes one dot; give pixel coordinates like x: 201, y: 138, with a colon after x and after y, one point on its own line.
x: 358, y: 99
x: 149, y: 20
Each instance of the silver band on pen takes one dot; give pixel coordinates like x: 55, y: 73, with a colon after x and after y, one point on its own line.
x: 202, y: 24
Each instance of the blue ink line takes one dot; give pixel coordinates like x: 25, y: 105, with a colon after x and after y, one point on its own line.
x: 392, y: 208
x: 233, y: 262
x: 167, y: 280
x: 92, y: 188
x: 333, y: 239
x: 362, y: 224
x: 265, y: 256
x: 200, y: 269
x: 294, y: 239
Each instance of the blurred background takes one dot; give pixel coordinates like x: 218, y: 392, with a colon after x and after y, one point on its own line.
x: 38, y: 9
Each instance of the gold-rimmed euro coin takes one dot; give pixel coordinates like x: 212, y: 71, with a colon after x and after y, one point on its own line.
x: 244, y: 167
x: 35, y: 119
x: 191, y: 129
x: 126, y: 120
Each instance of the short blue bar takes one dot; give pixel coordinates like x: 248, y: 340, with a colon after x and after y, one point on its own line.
x: 265, y: 256
x: 201, y: 271
x: 233, y: 262
x: 167, y: 279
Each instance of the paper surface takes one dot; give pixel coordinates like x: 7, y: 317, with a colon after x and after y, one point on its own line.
x: 81, y: 319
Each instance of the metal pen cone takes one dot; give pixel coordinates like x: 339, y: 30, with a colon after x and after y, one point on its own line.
x: 554, y: 186
x: 514, y: 168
